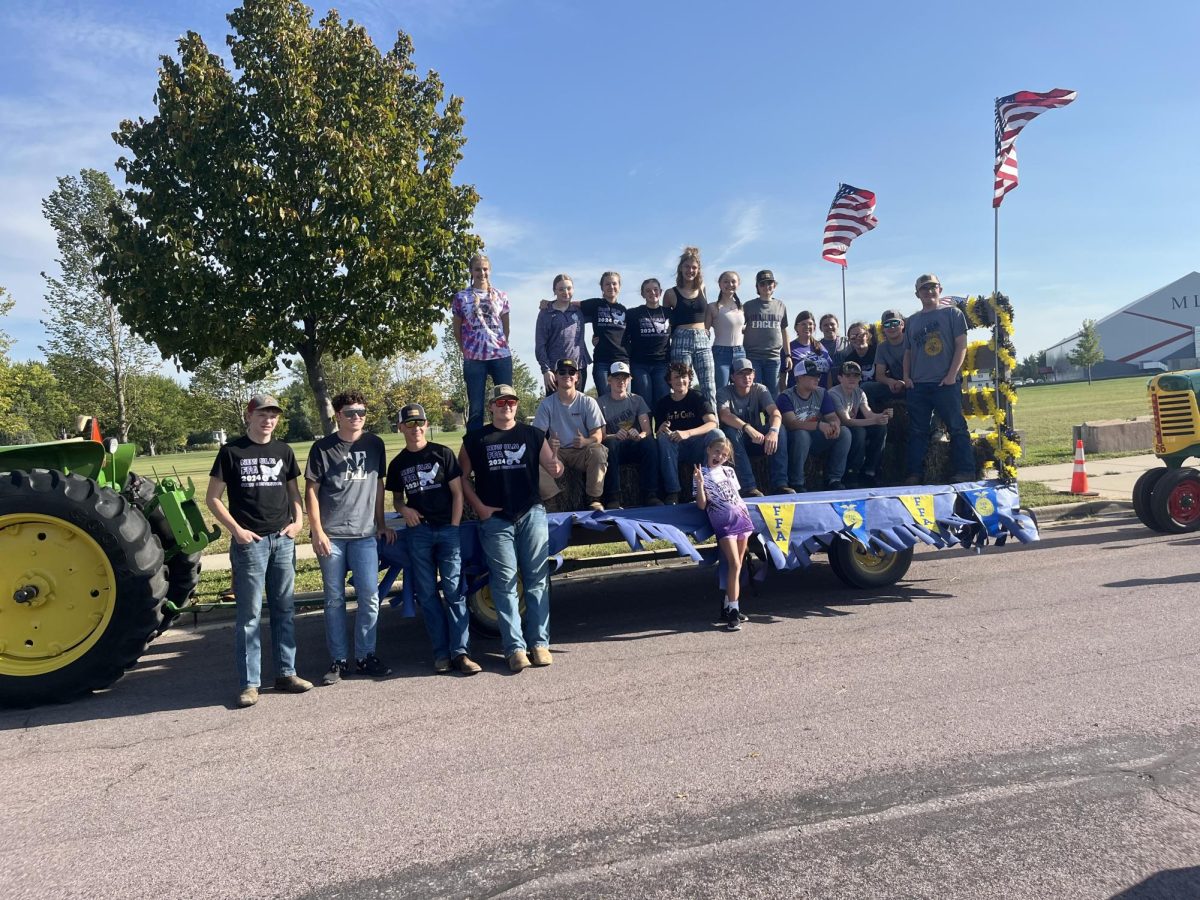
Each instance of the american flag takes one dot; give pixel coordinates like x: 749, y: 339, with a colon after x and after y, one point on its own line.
x: 850, y: 214
x: 1013, y: 113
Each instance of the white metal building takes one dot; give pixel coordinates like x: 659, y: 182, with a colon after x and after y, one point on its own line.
x: 1156, y: 332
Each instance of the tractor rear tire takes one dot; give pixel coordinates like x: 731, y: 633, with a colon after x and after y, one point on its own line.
x: 82, y: 584
x: 183, y: 570
x: 1143, y: 489
x: 860, y: 568
x: 1175, y: 501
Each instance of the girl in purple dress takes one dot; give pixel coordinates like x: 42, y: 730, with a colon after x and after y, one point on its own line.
x: 717, y: 493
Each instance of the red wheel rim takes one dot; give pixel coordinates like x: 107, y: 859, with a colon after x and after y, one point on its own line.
x: 1183, y: 504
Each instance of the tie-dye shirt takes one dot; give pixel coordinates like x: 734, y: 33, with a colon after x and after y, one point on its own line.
x: 727, y: 511
x: 482, y: 323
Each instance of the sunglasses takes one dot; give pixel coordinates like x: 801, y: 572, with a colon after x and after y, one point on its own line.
x: 566, y: 371
x: 420, y: 422
x: 506, y: 401
x: 929, y: 286
x: 353, y: 412
x: 892, y: 323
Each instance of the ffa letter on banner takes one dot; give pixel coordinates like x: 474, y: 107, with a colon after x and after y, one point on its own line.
x: 920, y: 507
x: 778, y: 517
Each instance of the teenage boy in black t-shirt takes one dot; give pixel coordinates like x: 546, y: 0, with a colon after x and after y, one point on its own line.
x: 426, y: 485
x: 684, y: 419
x: 504, y: 457
x: 263, y: 517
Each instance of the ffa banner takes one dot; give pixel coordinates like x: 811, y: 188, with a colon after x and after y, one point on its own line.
x: 854, y: 517
x: 920, y: 507
x: 778, y: 517
x: 985, y: 503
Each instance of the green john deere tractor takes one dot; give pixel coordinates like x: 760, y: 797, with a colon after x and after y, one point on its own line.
x: 94, y: 561
x: 1167, y: 498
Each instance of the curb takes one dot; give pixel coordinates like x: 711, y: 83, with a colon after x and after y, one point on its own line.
x: 1082, y: 510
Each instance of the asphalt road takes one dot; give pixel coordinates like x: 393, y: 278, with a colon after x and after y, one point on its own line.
x: 1018, y: 723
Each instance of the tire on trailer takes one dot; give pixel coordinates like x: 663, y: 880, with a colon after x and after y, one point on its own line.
x: 92, y: 580
x: 183, y: 571
x: 1175, y: 501
x: 482, y: 610
x: 1143, y: 488
x: 861, y: 568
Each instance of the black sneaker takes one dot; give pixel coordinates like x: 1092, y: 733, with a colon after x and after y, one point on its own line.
x: 733, y: 619
x: 835, y: 486
x: 373, y: 666
x: 339, y: 670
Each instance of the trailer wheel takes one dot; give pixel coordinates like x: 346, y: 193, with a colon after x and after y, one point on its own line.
x: 482, y: 610
x: 82, y: 584
x: 1143, y: 489
x: 1175, y: 501
x: 183, y: 570
x: 861, y: 568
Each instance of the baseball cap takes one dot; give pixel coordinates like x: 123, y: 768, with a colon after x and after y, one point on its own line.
x: 412, y: 412
x: 808, y: 366
x: 741, y: 364
x: 850, y: 367
x: 889, y: 314
x: 567, y: 363
x: 619, y: 368
x: 262, y: 401
x: 501, y: 391
x: 764, y: 275
x: 926, y: 279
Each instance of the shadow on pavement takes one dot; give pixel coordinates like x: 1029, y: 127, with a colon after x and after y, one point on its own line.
x: 1169, y: 884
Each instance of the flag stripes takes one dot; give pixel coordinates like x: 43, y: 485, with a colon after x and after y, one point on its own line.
x: 1013, y: 113
x: 852, y: 213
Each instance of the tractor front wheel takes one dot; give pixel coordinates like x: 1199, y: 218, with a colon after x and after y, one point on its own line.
x: 1143, y: 489
x: 1175, y: 501
x: 82, y: 584
x: 183, y: 569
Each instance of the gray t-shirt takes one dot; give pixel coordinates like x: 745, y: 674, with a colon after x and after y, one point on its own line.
x: 847, y: 402
x: 347, y: 475
x: 891, y: 357
x: 582, y: 416
x: 929, y: 336
x: 762, y: 338
x: 752, y: 408
x: 620, y: 414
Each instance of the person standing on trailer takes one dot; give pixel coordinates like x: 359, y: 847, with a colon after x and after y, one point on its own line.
x: 263, y: 517
x: 480, y: 326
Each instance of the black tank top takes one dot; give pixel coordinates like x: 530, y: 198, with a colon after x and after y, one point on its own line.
x: 688, y: 312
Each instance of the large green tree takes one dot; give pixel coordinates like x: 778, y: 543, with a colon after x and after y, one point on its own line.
x: 91, y: 350
x: 220, y: 393
x: 302, y: 203
x: 1087, y: 350
x: 164, y: 414
x: 10, y: 421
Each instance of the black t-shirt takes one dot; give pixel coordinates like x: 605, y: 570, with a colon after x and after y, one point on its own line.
x: 867, y: 362
x: 608, y: 324
x: 647, y: 334
x: 257, y: 476
x: 505, y: 464
x: 424, y: 477
x: 685, y: 414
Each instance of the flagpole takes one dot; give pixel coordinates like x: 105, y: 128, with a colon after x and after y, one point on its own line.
x: 996, y: 326
x: 844, y: 325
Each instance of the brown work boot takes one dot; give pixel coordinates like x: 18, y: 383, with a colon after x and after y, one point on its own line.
x: 541, y: 656
x: 466, y: 665
x: 441, y: 665
x: 518, y: 661
x: 248, y: 697
x: 292, y: 684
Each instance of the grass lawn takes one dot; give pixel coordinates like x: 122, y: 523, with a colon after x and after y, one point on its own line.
x: 1045, y: 413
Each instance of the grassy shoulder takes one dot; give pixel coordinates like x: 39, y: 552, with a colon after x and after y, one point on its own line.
x: 1046, y: 413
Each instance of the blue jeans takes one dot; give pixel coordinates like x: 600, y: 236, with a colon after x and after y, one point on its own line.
x: 475, y: 373
x: 268, y: 563
x: 434, y: 549
x: 360, y: 556
x: 723, y: 358
x: 644, y: 453
x: 766, y: 371
x: 802, y: 444
x: 866, y: 449
x: 946, y: 400
x: 744, y: 449
x: 670, y: 454
x: 521, y: 546
x: 650, y: 382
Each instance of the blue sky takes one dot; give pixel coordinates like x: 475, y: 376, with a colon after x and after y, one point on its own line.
x: 609, y: 135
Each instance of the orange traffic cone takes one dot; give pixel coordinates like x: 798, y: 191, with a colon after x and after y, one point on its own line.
x: 1079, y: 482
